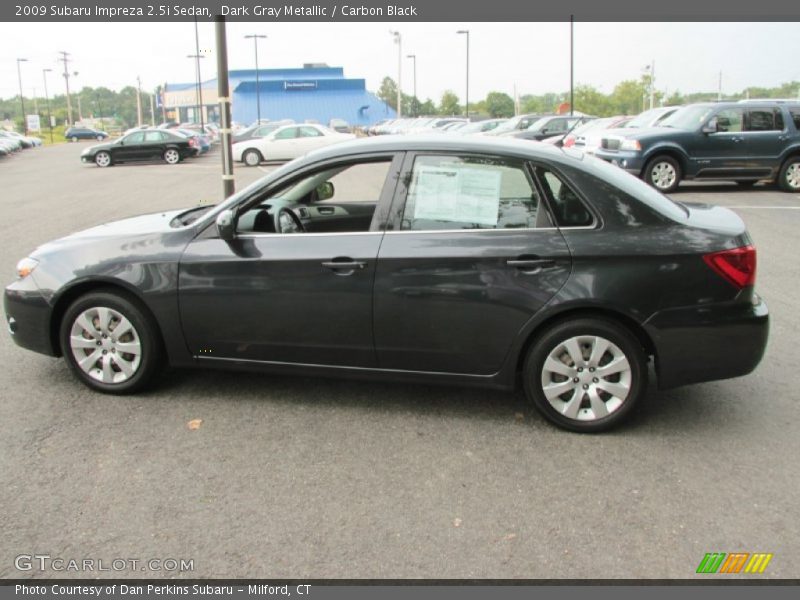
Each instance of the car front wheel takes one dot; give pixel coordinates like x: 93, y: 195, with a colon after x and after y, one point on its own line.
x: 585, y: 375
x: 110, y: 343
x: 74, y: 139
x: 102, y: 159
x: 99, y: 138
x: 663, y: 173
x: 252, y: 158
x: 172, y: 156
x: 789, y: 178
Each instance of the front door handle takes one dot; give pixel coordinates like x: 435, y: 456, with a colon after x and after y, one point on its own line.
x: 531, y: 264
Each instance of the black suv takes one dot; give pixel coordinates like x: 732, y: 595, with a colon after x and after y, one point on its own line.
x: 746, y: 142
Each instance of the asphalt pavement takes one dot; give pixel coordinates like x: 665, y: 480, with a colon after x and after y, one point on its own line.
x: 319, y: 478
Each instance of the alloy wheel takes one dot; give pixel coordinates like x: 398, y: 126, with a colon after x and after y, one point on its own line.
x: 792, y: 176
x: 172, y: 156
x: 663, y: 175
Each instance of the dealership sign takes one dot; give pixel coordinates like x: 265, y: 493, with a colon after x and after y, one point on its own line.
x: 32, y: 123
x: 299, y: 85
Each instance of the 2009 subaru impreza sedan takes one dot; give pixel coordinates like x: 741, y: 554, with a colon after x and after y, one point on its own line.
x: 486, y: 262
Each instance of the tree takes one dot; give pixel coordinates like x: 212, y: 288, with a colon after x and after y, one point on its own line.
x: 498, y: 104
x: 449, y: 104
x: 388, y: 92
x: 427, y: 107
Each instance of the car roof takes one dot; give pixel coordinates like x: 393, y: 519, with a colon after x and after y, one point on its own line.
x: 441, y: 143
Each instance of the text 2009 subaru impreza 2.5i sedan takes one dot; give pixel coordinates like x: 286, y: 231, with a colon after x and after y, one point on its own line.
x: 469, y: 261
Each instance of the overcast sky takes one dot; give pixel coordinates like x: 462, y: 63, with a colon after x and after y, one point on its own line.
x: 532, y: 56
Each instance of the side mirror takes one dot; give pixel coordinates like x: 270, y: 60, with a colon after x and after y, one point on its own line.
x: 225, y: 225
x: 325, y: 191
x: 711, y: 126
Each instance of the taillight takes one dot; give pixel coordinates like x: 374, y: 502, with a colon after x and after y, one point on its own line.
x: 569, y: 141
x: 737, y: 265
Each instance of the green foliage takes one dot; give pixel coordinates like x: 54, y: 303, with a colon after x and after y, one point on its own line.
x: 449, y: 104
x: 497, y: 104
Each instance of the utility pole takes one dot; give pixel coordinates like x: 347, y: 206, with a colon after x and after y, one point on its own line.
x: 398, y: 39
x: 571, y: 65
x: 225, y: 106
x: 47, y: 100
x: 153, y: 108
x: 65, y: 59
x: 21, y: 98
x: 414, y: 109
x: 255, y: 39
x: 652, y: 84
x: 719, y: 88
x: 199, y: 78
x: 466, y: 101
x: 139, y: 100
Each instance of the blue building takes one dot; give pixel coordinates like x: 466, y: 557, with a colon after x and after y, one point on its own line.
x: 312, y: 93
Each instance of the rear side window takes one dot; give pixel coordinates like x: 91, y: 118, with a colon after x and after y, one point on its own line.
x: 795, y: 112
x: 568, y: 209
x: 153, y: 136
x: 471, y: 192
x: 764, y: 120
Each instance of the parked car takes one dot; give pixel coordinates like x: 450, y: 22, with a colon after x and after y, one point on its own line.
x: 432, y: 259
x: 734, y: 141
x: 199, y: 143
x: 259, y: 130
x: 547, y: 127
x: 587, y: 137
x: 73, y: 134
x: 479, y: 126
x: 287, y: 142
x: 10, y: 142
x: 150, y: 144
x: 27, y: 141
x: 513, y: 124
x: 340, y: 125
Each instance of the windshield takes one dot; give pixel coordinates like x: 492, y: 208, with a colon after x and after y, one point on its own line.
x: 509, y: 125
x: 644, y: 119
x: 688, y: 118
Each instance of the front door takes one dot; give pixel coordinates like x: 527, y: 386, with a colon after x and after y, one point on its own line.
x: 299, y: 294
x: 471, y: 256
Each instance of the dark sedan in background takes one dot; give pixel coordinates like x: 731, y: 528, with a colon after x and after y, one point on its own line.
x: 147, y: 144
x: 73, y: 134
x: 472, y: 261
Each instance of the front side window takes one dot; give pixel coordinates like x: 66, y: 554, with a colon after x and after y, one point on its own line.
x: 730, y: 120
x: 135, y: 138
x: 471, y: 192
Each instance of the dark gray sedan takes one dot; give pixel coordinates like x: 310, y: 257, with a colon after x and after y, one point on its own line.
x: 487, y: 262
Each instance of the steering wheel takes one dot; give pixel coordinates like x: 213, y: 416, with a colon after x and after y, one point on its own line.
x: 286, y: 221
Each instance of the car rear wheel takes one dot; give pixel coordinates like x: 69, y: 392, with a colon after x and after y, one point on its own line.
x: 74, y: 138
x: 789, y: 178
x: 172, y: 156
x: 110, y: 343
x: 102, y: 159
x: 663, y: 173
x: 585, y: 375
x: 99, y: 138
x: 252, y: 158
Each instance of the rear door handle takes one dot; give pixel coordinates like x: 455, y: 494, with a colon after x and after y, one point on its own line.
x: 344, y: 266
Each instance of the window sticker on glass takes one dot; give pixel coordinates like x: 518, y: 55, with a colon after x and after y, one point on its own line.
x: 457, y: 194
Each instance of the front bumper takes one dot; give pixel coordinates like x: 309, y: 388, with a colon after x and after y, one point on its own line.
x: 632, y: 162
x: 707, y: 343
x: 28, y: 316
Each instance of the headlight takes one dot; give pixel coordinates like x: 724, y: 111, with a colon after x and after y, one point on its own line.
x: 631, y: 145
x: 25, y: 267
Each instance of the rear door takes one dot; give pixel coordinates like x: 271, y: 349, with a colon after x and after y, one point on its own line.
x: 469, y: 256
x: 766, y: 137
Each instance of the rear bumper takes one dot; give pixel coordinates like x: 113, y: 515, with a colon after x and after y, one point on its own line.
x: 28, y: 317
x: 696, y: 344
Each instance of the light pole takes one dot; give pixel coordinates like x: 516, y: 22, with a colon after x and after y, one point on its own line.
x: 198, y: 90
x: 199, y: 79
x: 21, y: 99
x: 65, y: 59
x: 138, y: 101
x: 398, y: 39
x: 466, y: 103
x: 255, y: 39
x: 47, y: 101
x: 413, y: 57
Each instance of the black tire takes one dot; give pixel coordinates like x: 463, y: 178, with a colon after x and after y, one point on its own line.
x: 552, y: 340
x: 252, y: 157
x: 171, y: 156
x: 656, y: 173
x: 102, y: 159
x: 144, y: 332
x: 789, y: 177
x: 74, y: 139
